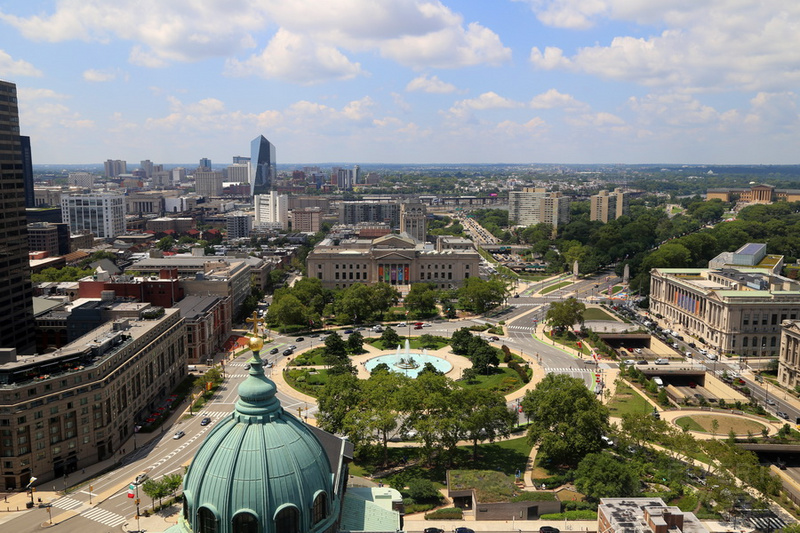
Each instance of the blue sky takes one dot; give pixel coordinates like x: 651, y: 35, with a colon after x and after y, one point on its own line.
x: 407, y: 81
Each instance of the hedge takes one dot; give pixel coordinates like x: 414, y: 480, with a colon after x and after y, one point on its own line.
x: 534, y: 496
x: 522, y: 372
x: 570, y: 515
x: 448, y: 513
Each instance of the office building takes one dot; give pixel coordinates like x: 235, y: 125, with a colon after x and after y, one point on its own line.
x: 605, y: 206
x: 178, y: 175
x: 205, y: 163
x: 81, y: 179
x: 147, y: 167
x: 272, y: 210
x: 346, y: 178
x: 240, y: 160
x: 307, y: 220
x: 239, y: 225
x: 645, y: 515
x: 377, y: 210
x: 208, y: 183
x: 27, y: 169
x: 392, y: 259
x: 737, y: 309
x: 537, y: 206
x: 69, y: 409
x: 263, y: 168
x: 413, y: 220
x: 50, y: 238
x: 16, y: 292
x: 102, y: 214
x: 115, y: 167
x: 239, y: 173
x: 208, y: 322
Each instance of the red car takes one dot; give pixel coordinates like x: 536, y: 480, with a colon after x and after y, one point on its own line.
x: 418, y: 326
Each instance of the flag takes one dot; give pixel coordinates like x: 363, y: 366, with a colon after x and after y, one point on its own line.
x: 131, y: 490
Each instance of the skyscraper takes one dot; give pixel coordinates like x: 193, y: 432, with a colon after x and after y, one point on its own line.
x: 27, y: 170
x: 115, y: 167
x: 205, y: 163
x: 16, y: 292
x: 263, y: 169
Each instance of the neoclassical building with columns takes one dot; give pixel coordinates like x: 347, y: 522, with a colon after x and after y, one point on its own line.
x: 736, y: 310
x: 394, y: 259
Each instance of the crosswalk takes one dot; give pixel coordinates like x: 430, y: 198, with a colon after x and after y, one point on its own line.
x: 216, y: 414
x: 237, y: 363
x: 107, y: 518
x: 67, y: 503
x: 568, y: 370
x: 522, y: 328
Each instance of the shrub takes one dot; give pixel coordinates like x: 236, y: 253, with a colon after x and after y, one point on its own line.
x: 522, y: 372
x: 449, y: 513
x: 570, y: 515
x: 422, y: 489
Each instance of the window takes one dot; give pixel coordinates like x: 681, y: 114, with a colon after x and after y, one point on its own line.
x: 744, y: 342
x: 286, y: 521
x: 206, y: 521
x: 746, y: 320
x: 245, y: 523
x: 319, y: 511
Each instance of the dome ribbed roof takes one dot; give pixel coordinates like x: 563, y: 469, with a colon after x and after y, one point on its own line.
x: 258, y: 459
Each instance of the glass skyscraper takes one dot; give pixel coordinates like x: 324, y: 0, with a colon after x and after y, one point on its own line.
x: 263, y: 170
x: 16, y: 292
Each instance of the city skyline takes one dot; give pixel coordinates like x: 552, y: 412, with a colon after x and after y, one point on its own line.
x: 407, y: 81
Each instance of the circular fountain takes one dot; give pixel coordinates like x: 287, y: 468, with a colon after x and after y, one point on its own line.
x: 409, y: 363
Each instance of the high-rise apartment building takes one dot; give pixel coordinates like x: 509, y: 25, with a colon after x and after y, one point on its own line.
x: 605, y: 206
x: 16, y: 293
x: 147, y: 166
x: 412, y: 220
x: 272, y: 210
x: 101, y: 214
x: 115, y: 167
x: 346, y: 178
x: 27, y: 170
x: 307, y: 219
x: 353, y: 212
x: 263, y: 169
x: 208, y: 182
x: 536, y: 205
x: 239, y: 225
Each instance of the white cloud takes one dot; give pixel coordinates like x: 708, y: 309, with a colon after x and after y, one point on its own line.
x: 29, y: 94
x: 297, y: 58
x: 673, y: 109
x: 11, y: 68
x: 43, y: 114
x: 515, y: 129
x: 430, y: 85
x: 773, y: 111
x: 463, y: 109
x: 98, y: 75
x: 416, y: 33
x: 554, y: 99
x: 700, y: 46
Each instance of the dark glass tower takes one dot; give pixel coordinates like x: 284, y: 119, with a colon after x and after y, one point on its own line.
x: 16, y: 293
x: 263, y: 170
x: 27, y: 170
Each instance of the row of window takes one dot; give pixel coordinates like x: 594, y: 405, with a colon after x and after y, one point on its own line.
x: 287, y: 520
x: 773, y: 320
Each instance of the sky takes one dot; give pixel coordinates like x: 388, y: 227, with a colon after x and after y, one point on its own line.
x: 407, y: 81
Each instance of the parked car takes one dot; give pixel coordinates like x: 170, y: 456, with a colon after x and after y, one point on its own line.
x: 638, y: 350
x: 205, y: 421
x: 548, y: 529
x: 463, y: 530
x: 433, y: 530
x: 692, y: 385
x: 178, y: 435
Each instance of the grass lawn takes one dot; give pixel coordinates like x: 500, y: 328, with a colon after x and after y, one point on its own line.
x: 568, y: 339
x: 595, y: 313
x: 414, y: 343
x: 311, y: 357
x: 627, y: 401
x: 504, y: 379
x: 616, y: 289
x: 306, y: 381
x: 687, y: 422
x: 738, y: 424
x: 555, y: 287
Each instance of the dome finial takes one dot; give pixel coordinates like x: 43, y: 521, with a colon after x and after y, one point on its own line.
x: 257, y: 392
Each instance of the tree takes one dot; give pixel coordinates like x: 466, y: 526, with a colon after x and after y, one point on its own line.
x: 166, y: 244
x: 484, y: 357
x: 390, y: 338
x: 427, y: 341
x: 461, y: 340
x: 421, y: 489
x: 484, y: 416
x: 567, y: 420
x: 602, y: 475
x: 287, y: 311
x: 479, y: 296
x: 340, y: 395
x: 335, y: 350
x: 382, y: 297
x: 421, y: 299
x: 378, y: 412
x: 156, y: 490
x: 563, y: 315
x: 355, y: 342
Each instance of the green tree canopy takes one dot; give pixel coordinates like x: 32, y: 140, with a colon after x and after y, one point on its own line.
x: 563, y: 315
x: 567, y: 420
x: 603, y: 475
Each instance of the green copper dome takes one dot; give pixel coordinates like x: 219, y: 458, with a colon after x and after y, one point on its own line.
x: 260, y: 470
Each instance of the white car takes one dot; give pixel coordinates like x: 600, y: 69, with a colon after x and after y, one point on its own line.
x: 402, y: 325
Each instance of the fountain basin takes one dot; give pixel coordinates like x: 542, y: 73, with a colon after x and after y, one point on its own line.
x: 400, y: 363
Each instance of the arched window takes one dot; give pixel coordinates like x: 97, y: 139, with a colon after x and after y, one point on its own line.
x: 245, y: 523
x: 319, y: 511
x: 287, y: 520
x: 206, y: 521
